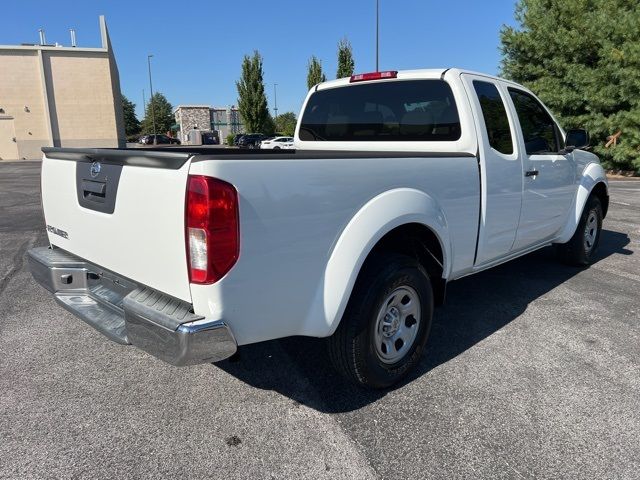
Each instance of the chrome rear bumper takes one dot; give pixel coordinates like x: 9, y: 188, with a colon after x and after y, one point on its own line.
x: 128, y: 313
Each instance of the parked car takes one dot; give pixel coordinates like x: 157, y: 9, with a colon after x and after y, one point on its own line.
x: 237, y: 137
x: 401, y: 182
x: 277, y: 143
x: 250, y: 140
x: 161, y: 140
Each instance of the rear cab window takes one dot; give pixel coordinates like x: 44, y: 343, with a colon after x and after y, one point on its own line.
x: 401, y: 110
x: 495, y: 117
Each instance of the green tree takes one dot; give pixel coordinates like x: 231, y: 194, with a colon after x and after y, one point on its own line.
x: 252, y: 101
x: 314, y: 72
x: 286, y: 123
x: 159, y: 108
x: 345, y: 59
x: 131, y: 122
x: 582, y: 58
x: 269, y: 127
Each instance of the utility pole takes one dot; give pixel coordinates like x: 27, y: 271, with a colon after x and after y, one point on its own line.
x: 153, y: 113
x: 377, y: 31
x: 275, y: 99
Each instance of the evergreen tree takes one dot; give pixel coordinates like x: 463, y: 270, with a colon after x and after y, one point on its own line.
x: 345, y: 59
x: 252, y: 101
x: 314, y: 73
x: 159, y: 108
x: 269, y: 127
x: 582, y: 58
x: 131, y: 122
x: 286, y: 123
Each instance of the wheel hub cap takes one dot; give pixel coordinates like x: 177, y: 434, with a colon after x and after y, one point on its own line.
x: 397, y: 324
x: 590, y: 231
x: 391, y: 322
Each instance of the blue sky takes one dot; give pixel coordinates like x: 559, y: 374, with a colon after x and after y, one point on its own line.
x: 198, y: 47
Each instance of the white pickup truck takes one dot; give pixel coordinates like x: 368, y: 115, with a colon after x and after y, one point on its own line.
x: 400, y: 183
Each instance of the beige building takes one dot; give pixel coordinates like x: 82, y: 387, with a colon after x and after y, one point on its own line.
x: 59, y: 96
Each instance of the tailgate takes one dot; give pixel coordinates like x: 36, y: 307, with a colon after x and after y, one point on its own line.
x: 122, y: 210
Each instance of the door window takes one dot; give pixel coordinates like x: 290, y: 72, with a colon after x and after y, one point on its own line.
x: 495, y: 117
x: 538, y: 128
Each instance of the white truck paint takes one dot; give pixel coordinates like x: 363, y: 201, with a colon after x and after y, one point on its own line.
x: 308, y: 220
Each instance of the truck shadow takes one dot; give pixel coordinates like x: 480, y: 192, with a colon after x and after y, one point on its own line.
x: 476, y: 307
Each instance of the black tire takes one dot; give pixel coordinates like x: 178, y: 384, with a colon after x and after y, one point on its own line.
x: 276, y: 148
x: 579, y: 251
x: 352, y: 347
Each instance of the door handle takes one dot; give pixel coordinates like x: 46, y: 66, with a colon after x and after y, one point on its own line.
x: 94, y: 191
x: 94, y: 187
x: 531, y: 173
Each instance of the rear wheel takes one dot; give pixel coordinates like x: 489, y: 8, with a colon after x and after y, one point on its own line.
x: 580, y: 250
x: 386, y: 324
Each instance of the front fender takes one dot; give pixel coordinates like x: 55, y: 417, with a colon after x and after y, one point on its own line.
x: 373, y: 221
x: 591, y: 176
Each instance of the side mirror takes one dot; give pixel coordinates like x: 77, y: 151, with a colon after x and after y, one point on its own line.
x: 576, y: 138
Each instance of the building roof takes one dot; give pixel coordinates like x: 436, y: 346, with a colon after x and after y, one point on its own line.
x: 178, y: 107
x: 192, y: 106
x: 61, y: 48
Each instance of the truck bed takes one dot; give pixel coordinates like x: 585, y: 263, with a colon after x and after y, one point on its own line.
x: 304, y: 226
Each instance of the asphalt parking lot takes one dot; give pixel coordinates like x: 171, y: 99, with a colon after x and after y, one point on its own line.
x: 533, y: 371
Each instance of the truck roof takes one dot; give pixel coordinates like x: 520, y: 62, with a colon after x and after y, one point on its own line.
x: 425, y: 73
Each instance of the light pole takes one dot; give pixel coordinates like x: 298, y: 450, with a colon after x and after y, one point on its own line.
x: 275, y: 100
x: 153, y: 112
x: 377, y: 30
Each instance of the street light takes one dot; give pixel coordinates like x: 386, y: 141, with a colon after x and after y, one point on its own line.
x: 153, y: 113
x: 275, y: 99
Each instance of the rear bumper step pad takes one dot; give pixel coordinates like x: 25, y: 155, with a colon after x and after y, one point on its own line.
x: 128, y: 313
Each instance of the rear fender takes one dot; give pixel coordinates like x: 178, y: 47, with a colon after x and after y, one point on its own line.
x: 373, y: 221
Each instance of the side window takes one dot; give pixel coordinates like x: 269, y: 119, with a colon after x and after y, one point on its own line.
x: 495, y: 117
x: 538, y: 129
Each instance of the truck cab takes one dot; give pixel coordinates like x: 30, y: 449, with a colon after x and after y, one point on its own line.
x: 529, y: 175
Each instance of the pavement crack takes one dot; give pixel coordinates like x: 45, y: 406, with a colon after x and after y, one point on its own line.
x: 17, y: 263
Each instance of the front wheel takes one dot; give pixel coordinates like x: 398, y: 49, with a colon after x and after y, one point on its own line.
x: 386, y: 324
x: 579, y: 251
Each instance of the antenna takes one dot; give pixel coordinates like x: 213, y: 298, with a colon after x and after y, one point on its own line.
x: 72, y: 31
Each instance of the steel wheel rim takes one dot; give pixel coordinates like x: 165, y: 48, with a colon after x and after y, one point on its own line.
x: 590, y: 231
x: 397, y: 324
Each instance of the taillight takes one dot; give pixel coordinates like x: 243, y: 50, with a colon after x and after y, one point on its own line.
x: 363, y: 77
x: 212, y: 228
